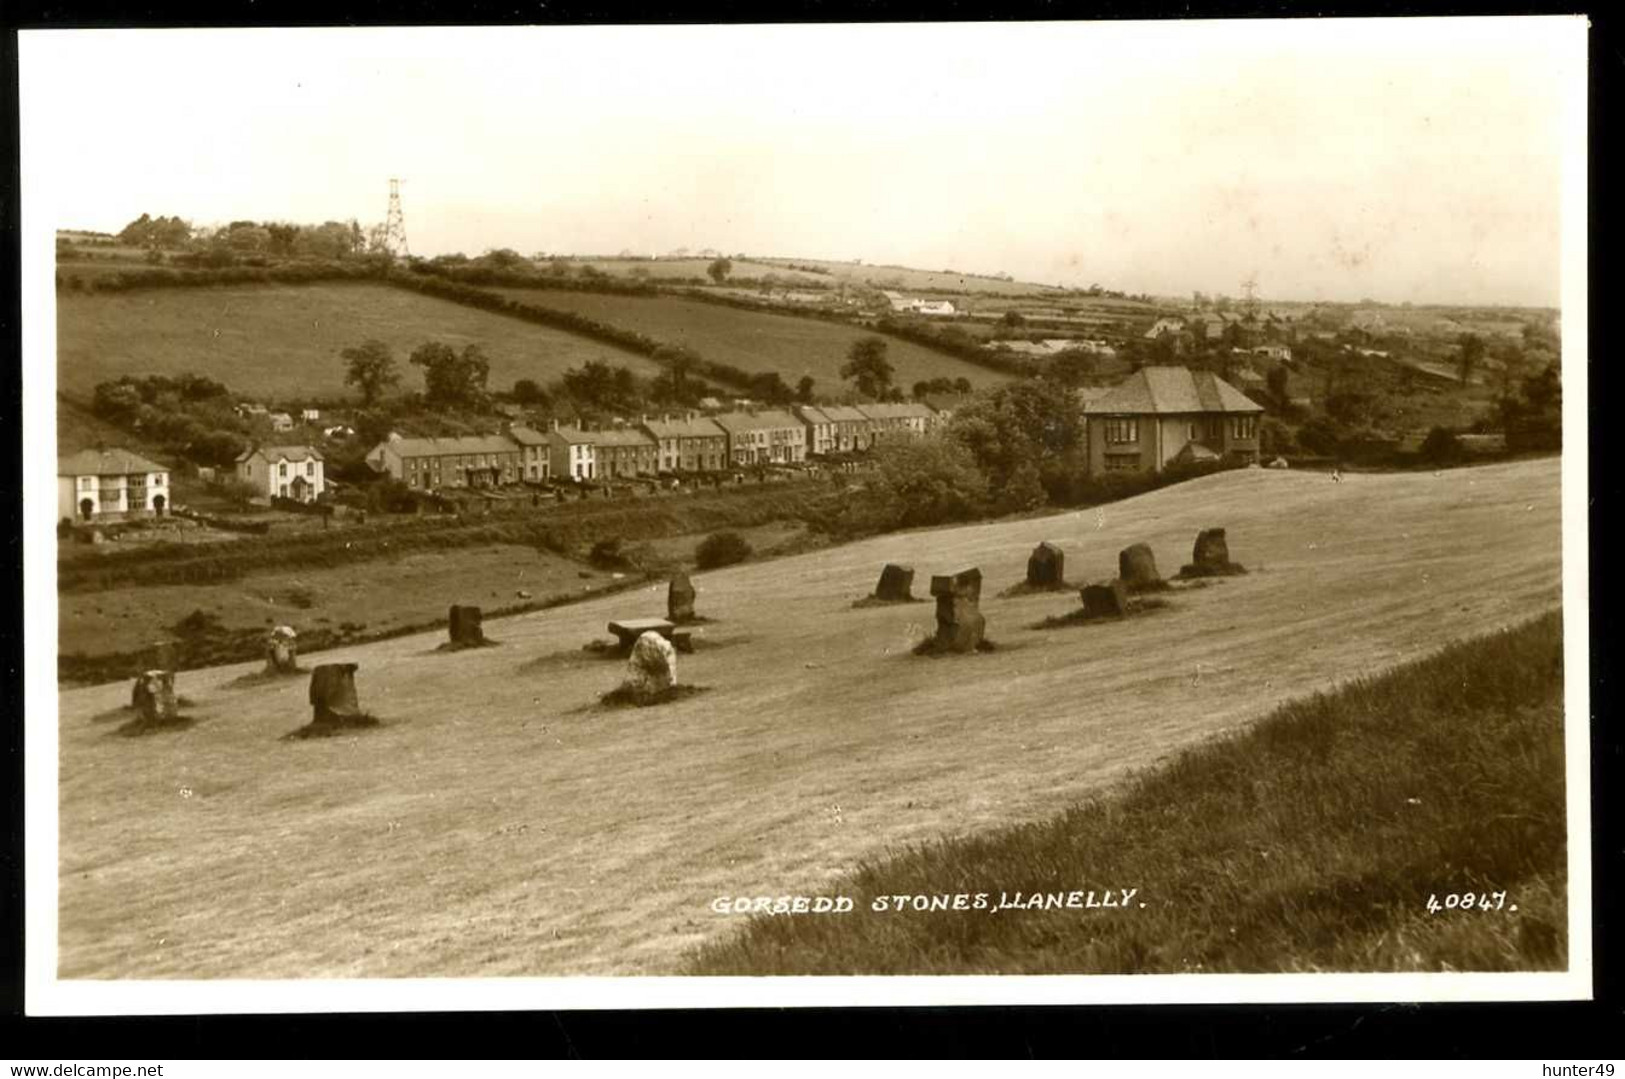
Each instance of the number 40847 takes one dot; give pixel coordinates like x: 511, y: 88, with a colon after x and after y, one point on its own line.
x: 1469, y: 901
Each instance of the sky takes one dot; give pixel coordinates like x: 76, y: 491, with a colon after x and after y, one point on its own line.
x: 1399, y: 160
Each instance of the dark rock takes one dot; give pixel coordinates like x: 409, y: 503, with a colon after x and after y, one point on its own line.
x: 680, y: 598
x: 960, y: 624
x: 1046, y: 566
x: 465, y: 627
x: 1109, y: 600
x: 896, y: 583
x: 1137, y: 568
x: 332, y: 693
x: 1211, y: 551
x: 154, y: 696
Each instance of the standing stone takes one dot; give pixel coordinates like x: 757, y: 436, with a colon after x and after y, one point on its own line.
x: 465, y: 627
x: 1105, y: 600
x: 281, y: 655
x: 960, y: 624
x: 332, y: 693
x: 1137, y: 568
x: 1046, y: 566
x: 155, y: 696
x: 1211, y: 553
x: 652, y: 667
x: 680, y: 599
x: 896, y: 583
x: 163, y: 655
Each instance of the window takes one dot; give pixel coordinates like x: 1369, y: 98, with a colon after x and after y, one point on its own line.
x: 158, y: 479
x: 86, y: 483
x: 282, y: 469
x: 1245, y: 427
x: 1120, y: 431
x: 1122, y: 462
x: 310, y: 468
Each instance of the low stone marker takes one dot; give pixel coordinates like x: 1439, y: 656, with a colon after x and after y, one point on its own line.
x: 281, y: 655
x: 896, y: 583
x: 1046, y: 567
x: 163, y: 655
x: 652, y: 667
x: 1108, y: 600
x: 332, y: 694
x: 1211, y: 556
x: 465, y: 628
x: 1137, y: 568
x: 680, y: 598
x: 154, y: 697
x: 960, y: 624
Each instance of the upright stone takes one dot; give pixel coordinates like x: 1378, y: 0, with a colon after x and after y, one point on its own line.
x: 155, y: 696
x: 281, y: 654
x: 332, y: 693
x: 960, y: 624
x: 680, y: 599
x: 1046, y: 566
x: 896, y: 583
x: 1137, y: 568
x: 652, y: 667
x: 1105, y: 600
x: 465, y: 627
x: 163, y: 655
x: 1211, y: 554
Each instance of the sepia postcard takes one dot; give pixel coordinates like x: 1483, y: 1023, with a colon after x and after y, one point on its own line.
x: 773, y: 515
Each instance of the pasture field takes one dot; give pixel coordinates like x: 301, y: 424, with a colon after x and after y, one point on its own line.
x: 282, y: 342
x: 755, y: 341
x: 685, y: 268
x: 905, y: 278
x: 502, y: 823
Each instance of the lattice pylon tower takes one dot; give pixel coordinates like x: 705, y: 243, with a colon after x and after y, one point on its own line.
x: 395, y: 222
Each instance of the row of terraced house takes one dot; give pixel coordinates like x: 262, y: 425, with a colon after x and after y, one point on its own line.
x: 686, y: 443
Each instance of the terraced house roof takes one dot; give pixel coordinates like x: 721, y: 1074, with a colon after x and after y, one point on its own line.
x: 446, y: 447
x: 683, y: 427
x: 893, y: 410
x: 290, y: 453
x: 105, y: 463
x: 756, y: 421
x: 619, y: 436
x: 1163, y: 390
x: 844, y: 414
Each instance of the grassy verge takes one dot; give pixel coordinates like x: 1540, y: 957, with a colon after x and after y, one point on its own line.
x: 1312, y: 841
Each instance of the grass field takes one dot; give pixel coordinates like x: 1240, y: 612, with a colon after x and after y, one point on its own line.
x: 904, y: 277
x: 1314, y: 841
x: 282, y: 341
x: 500, y: 824
x: 755, y: 341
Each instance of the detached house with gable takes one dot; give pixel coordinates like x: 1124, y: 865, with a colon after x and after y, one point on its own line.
x: 99, y: 485
x: 295, y: 472
x: 1160, y: 415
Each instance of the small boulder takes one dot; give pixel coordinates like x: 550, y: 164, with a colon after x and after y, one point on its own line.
x: 896, y: 583
x: 1046, y: 567
x: 1137, y: 568
x: 652, y: 667
x: 281, y: 654
x: 1108, y: 600
x: 680, y: 599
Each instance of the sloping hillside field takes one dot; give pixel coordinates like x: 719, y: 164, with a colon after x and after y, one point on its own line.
x: 755, y: 341
x: 500, y: 823
x: 283, y: 341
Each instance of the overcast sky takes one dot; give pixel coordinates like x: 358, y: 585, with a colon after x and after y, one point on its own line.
x: 1400, y: 160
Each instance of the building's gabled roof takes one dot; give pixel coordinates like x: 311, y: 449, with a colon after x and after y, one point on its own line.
x: 105, y: 463
x: 894, y: 410
x: 844, y: 414
x: 812, y: 414
x: 526, y: 436
x: 1162, y: 390
x: 683, y: 427
x: 739, y: 422
x: 290, y: 453
x: 947, y: 402
x: 445, y: 447
x: 619, y: 436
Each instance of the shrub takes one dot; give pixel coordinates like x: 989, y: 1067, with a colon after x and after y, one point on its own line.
x: 607, y: 554
x: 1441, y: 446
x: 721, y: 549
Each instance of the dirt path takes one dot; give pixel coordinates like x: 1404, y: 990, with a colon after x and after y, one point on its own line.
x: 499, y: 826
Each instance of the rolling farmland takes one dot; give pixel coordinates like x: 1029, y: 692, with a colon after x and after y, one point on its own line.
x: 282, y: 341
x: 754, y: 341
x: 500, y: 824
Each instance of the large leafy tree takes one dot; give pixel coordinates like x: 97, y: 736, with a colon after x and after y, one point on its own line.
x: 452, y: 379
x: 867, y: 367
x: 370, y: 368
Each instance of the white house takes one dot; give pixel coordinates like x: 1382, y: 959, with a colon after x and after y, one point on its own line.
x: 281, y: 421
x: 934, y: 307
x: 294, y: 472
x: 94, y: 485
x: 572, y: 453
x: 310, y: 415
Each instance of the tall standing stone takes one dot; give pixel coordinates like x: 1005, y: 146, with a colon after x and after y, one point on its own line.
x: 155, y: 696
x: 1137, y: 568
x: 465, y: 630
x: 652, y: 666
x: 680, y: 599
x: 1211, y: 553
x: 281, y: 654
x: 332, y: 693
x: 896, y: 583
x: 960, y: 624
x: 1046, y: 566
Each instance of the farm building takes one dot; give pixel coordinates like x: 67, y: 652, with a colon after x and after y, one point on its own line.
x: 295, y: 472
x: 467, y: 461
x: 100, y: 485
x: 687, y: 443
x: 759, y: 438
x: 281, y: 421
x: 1164, y: 325
x: 535, y: 453
x: 1146, y: 421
